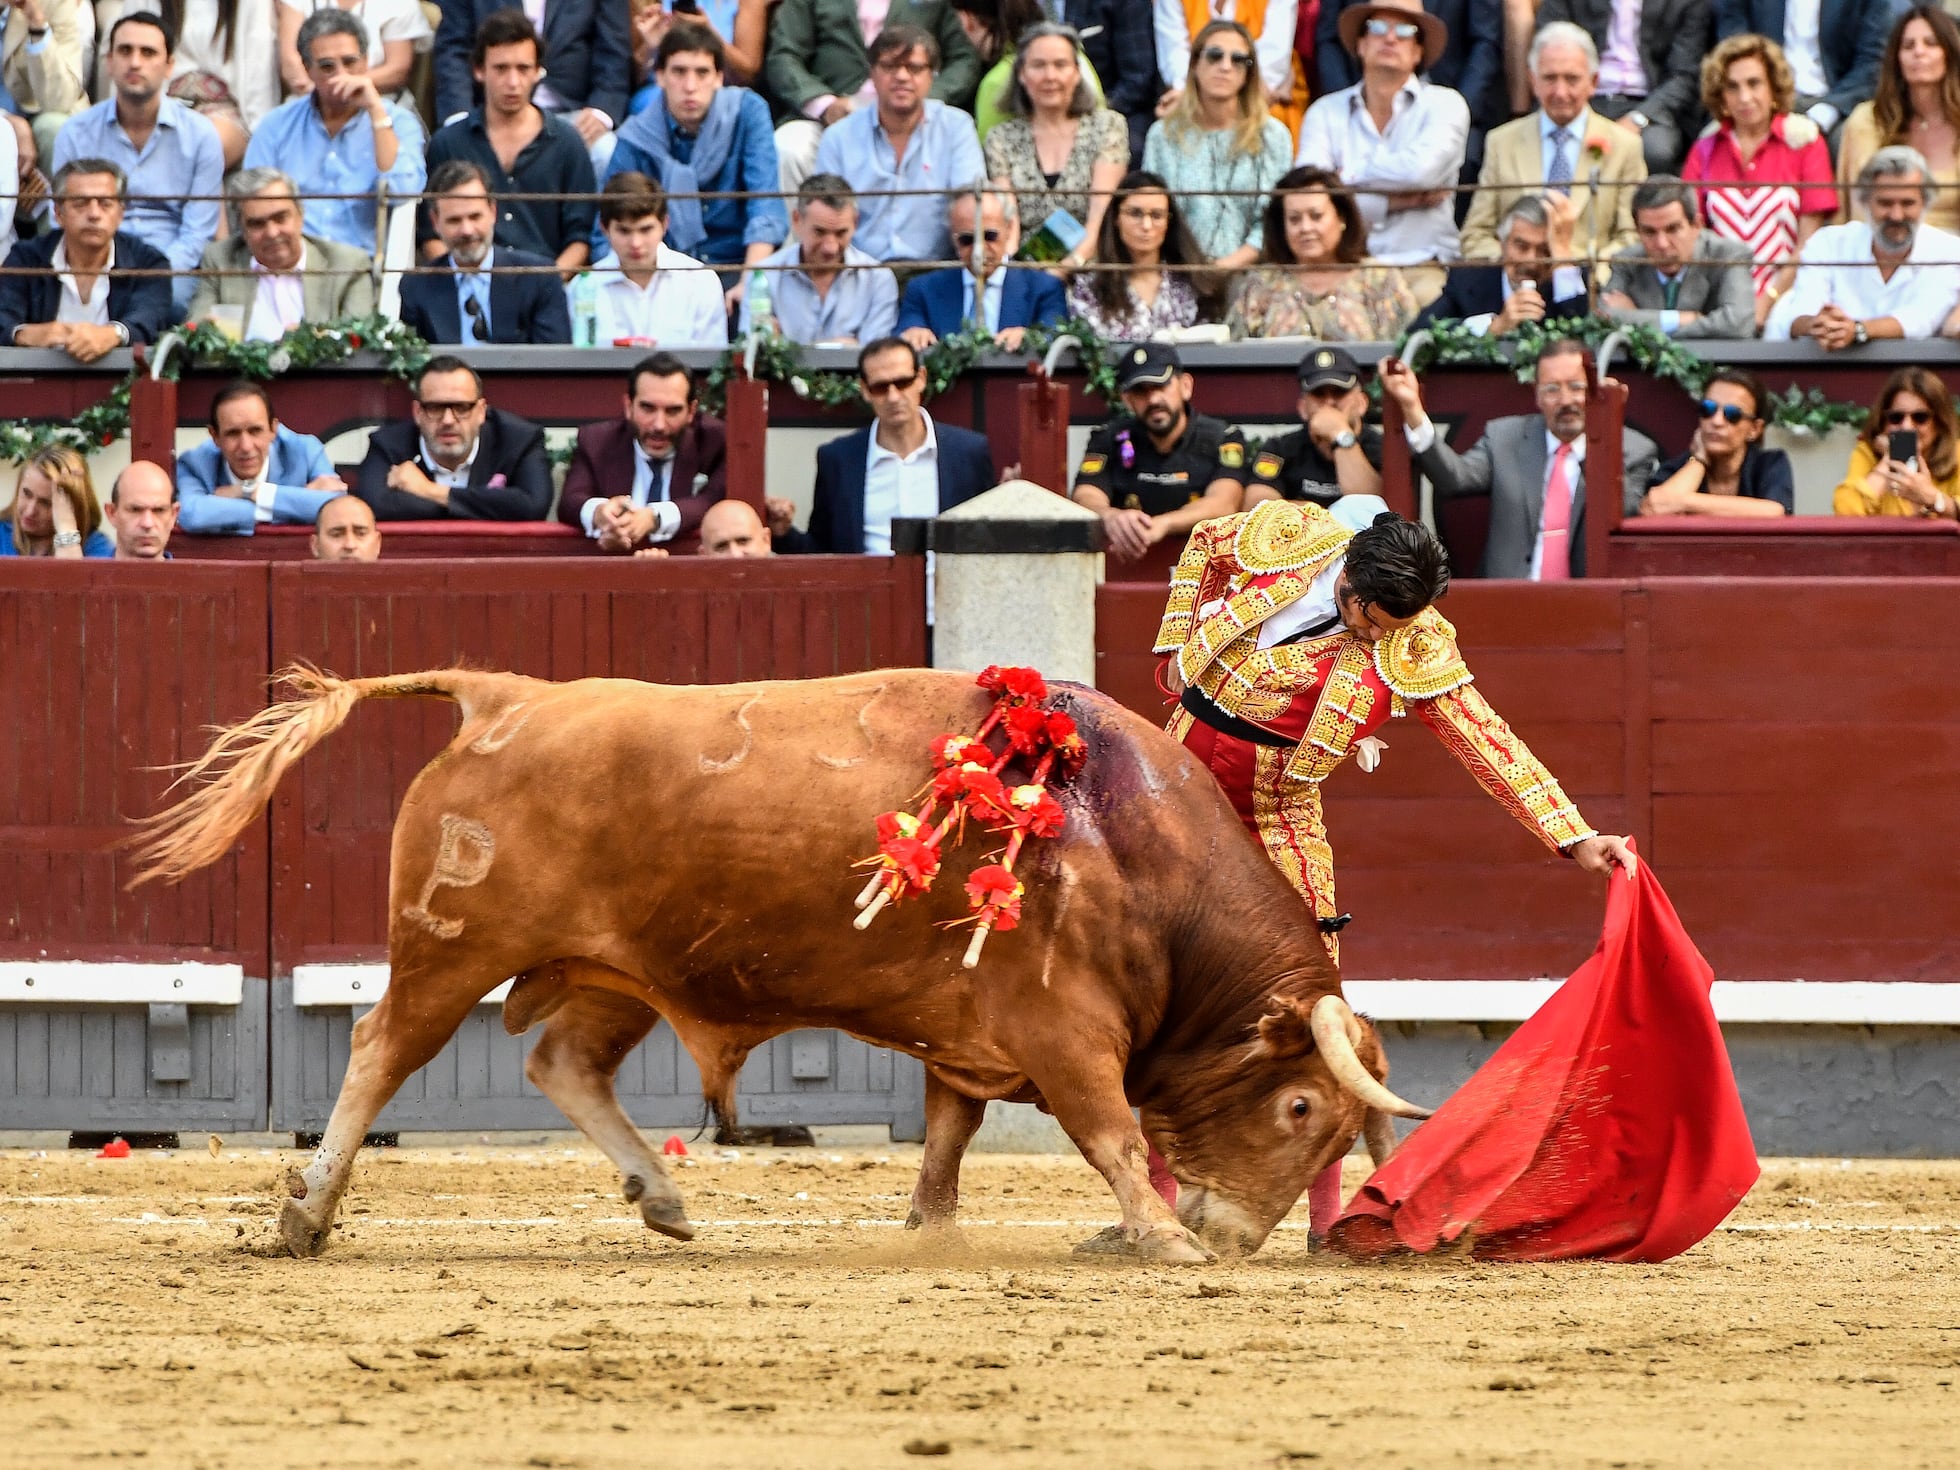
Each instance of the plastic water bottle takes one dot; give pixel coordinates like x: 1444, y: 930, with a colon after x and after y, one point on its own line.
x: 585, y: 310
x: 760, y: 306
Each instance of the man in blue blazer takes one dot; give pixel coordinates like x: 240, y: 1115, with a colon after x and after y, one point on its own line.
x: 1523, y: 286
x: 984, y: 291
x: 903, y: 465
x: 588, y: 61
x: 89, y: 246
x: 471, y: 295
x: 253, y: 469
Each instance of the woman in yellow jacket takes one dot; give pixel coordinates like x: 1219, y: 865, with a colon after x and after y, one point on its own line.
x: 1926, y: 483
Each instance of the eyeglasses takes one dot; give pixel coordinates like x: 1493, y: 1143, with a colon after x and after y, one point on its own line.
x: 1219, y: 56
x: 441, y: 411
x: 1730, y: 411
x: 890, y: 385
x: 1917, y: 417
x: 1144, y: 216
x: 1401, y: 30
x: 915, y: 68
x: 964, y: 239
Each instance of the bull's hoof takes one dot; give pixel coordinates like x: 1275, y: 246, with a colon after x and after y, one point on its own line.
x: 914, y: 1220
x: 1111, y: 1240
x: 1173, y: 1245
x: 669, y: 1217
x: 305, y: 1237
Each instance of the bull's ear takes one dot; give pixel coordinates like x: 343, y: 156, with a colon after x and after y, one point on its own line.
x: 1286, y: 1030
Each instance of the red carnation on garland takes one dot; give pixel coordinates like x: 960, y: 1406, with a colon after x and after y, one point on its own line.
x: 953, y: 750
x: 1015, y: 683
x: 996, y: 895
x: 1027, y: 729
x: 1035, y: 812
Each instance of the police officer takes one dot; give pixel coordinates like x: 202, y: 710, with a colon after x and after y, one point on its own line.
x: 1160, y: 469
x: 1336, y: 453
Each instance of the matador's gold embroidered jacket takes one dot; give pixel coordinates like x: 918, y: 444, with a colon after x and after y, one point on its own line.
x: 1327, y: 693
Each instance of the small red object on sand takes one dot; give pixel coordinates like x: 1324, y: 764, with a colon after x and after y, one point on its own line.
x: 673, y: 1147
x: 1607, y: 1128
x: 115, y: 1148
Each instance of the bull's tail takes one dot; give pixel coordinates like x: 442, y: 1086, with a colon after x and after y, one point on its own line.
x: 235, y: 777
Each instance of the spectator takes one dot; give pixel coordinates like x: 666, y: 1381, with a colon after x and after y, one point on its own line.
x: 1315, y: 281
x: 984, y: 293
x: 651, y: 295
x: 341, y: 138
x: 1471, y: 64
x: 222, y: 69
x: 166, y: 151
x: 45, y: 64
x: 1335, y: 453
x: 274, y: 273
x: 1053, y: 118
x: 1562, y: 147
x: 396, y: 30
x: 588, y: 63
x: 484, y: 292
x: 1771, y: 167
x: 822, y: 288
x: 345, y: 530
x: 1918, y: 104
x: 1156, y: 289
x: 903, y: 464
x: 54, y: 510
x: 1269, y: 28
x: 1525, y: 285
x: 1159, y: 469
x: 647, y: 478
x: 1682, y: 279
x: 1121, y: 52
x: 1532, y: 466
x: 84, y: 299
x: 820, y: 68
x: 1397, y: 139
x: 1839, y: 300
x: 1831, y: 46
x: 1926, y: 482
x: 1725, y: 470
x: 11, y: 175
x: 1649, y: 67
x: 908, y: 141
x: 732, y: 528
x: 741, y: 25
x: 994, y: 29
x: 1218, y: 148
x: 546, y: 154
x: 143, y: 511
x: 699, y: 136
x: 253, y: 470
x: 459, y: 459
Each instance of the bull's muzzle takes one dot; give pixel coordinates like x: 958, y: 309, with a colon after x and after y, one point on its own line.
x: 1225, y: 1227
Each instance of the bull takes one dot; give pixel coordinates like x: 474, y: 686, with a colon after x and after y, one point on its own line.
x: 630, y: 851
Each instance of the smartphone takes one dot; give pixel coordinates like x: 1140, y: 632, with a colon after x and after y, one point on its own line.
x: 687, y: 7
x: 1902, y: 447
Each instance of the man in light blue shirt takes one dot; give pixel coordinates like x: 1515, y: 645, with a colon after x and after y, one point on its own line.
x: 823, y: 288
x: 343, y: 138
x: 253, y: 470
x: 166, y: 150
x: 908, y: 142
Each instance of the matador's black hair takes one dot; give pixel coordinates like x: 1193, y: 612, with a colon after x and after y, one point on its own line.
x: 1397, y: 565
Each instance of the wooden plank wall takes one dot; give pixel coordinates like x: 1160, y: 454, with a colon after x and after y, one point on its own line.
x: 1781, y: 750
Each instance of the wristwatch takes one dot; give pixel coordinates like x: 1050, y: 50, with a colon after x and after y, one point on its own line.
x: 1344, y: 439
x: 1859, y: 335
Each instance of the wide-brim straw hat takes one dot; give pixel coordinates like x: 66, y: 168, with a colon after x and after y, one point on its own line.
x: 1435, y: 35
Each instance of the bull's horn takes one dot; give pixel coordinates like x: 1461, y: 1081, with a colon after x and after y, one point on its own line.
x: 1332, y: 1016
x: 1380, y: 1134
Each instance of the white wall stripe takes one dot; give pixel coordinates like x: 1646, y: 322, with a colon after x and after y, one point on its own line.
x: 116, y: 982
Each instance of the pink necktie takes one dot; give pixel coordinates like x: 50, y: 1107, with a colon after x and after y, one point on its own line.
x: 1555, y: 525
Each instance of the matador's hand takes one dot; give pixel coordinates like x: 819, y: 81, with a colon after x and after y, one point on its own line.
x: 1603, y: 854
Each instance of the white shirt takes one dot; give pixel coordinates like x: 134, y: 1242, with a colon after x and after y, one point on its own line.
x: 1800, y: 47
x: 1422, y: 149
x: 9, y: 184
x: 1274, y: 48
x: 681, y: 306
x: 456, y: 479
x: 95, y: 310
x: 895, y: 486
x: 279, y: 304
x: 652, y: 483
x: 1920, y: 294
x: 1575, y: 459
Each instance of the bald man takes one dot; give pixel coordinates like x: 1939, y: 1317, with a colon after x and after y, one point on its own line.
x: 732, y: 528
x: 344, y: 530
x: 143, y: 509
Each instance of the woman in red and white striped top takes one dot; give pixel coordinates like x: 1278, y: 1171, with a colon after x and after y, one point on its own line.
x: 1764, y: 171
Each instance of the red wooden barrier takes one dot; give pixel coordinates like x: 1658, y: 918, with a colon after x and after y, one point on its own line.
x: 400, y: 541
x: 1042, y: 424
x: 109, y: 670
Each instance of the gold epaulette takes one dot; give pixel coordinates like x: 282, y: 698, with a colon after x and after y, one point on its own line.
x: 1420, y: 660
x: 1286, y: 536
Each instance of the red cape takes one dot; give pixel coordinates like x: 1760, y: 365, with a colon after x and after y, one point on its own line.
x: 1607, y: 1128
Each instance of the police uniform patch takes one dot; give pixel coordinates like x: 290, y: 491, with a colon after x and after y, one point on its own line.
x: 1232, y: 456
x: 1093, y: 464
x: 1267, y: 465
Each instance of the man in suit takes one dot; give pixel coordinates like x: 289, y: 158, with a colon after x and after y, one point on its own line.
x: 458, y: 458
x: 983, y: 292
x: 1833, y: 47
x: 904, y: 464
x: 477, y: 297
x: 647, y: 478
x: 1680, y: 278
x: 1651, y: 86
x: 1525, y: 285
x: 82, y: 298
x: 1532, y: 466
x: 1563, y: 147
x: 273, y: 270
x: 588, y: 64
x: 253, y: 470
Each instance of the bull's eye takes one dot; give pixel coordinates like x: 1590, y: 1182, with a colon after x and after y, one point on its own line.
x: 1299, y: 1107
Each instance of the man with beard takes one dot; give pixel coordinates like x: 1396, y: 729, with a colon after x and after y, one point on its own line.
x: 1532, y: 466
x: 646, y: 479
x: 479, y: 291
x: 1839, y: 300
x: 822, y: 288
x: 458, y: 458
x: 1159, y: 470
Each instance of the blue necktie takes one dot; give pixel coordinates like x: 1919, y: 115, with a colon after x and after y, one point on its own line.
x: 1559, y: 176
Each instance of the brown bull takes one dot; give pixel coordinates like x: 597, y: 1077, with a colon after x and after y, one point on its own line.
x: 631, y: 851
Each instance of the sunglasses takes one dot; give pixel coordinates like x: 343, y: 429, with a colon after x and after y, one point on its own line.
x: 893, y: 385
x: 1219, y: 56
x: 1732, y: 412
x: 1917, y: 417
x: 1401, y: 30
x: 964, y: 239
